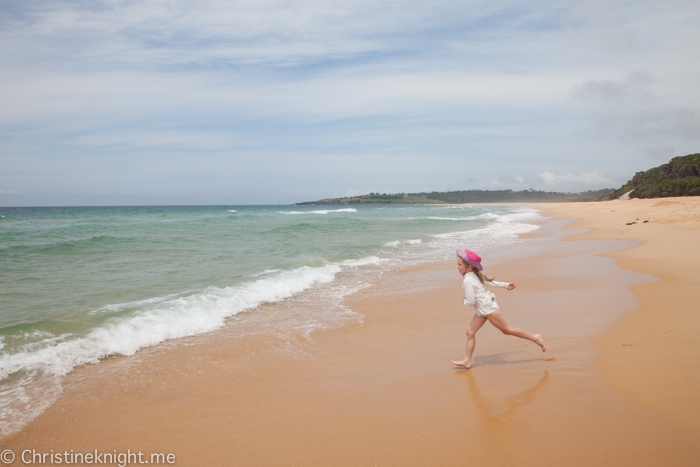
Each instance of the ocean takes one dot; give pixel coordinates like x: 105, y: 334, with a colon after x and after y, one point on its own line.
x: 78, y: 284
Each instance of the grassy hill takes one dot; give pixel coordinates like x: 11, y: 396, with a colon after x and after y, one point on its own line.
x: 510, y: 196
x: 680, y: 177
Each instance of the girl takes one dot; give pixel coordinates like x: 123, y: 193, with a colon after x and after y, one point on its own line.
x: 485, y: 306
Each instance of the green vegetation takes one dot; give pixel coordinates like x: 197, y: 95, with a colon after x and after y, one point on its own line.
x: 510, y: 196
x: 680, y: 177
x: 469, y: 196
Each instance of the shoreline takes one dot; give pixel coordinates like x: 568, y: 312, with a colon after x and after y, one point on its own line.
x: 383, y: 391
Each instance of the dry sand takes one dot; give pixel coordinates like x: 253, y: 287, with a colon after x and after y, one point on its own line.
x: 615, y: 387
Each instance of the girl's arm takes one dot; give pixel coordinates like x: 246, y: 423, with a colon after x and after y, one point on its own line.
x: 469, y: 296
x: 505, y: 285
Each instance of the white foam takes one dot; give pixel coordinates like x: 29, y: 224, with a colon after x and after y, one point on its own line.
x: 37, y: 334
x: 320, y: 211
x: 521, y: 215
x: 26, y: 397
x: 505, y: 229
x: 266, y: 272
x: 488, y: 215
x: 490, y: 237
x: 115, y: 308
x: 368, y: 261
x: 231, y: 210
x: 169, y: 319
x: 397, y: 243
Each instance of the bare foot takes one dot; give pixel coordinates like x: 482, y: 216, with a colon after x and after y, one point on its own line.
x: 463, y: 364
x: 539, y: 341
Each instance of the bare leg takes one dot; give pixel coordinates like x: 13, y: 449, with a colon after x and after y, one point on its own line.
x: 474, y: 326
x: 496, y: 318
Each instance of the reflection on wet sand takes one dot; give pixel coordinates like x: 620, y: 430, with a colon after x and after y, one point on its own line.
x: 500, y: 359
x: 500, y: 428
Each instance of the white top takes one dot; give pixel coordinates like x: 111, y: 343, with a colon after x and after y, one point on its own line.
x: 475, y: 294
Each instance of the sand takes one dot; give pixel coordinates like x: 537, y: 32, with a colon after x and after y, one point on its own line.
x: 652, y: 356
x: 615, y: 386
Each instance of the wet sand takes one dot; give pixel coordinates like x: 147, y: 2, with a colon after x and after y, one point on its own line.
x: 652, y: 356
x: 383, y: 392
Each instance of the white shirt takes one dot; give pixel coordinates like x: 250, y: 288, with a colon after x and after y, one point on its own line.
x: 476, y: 295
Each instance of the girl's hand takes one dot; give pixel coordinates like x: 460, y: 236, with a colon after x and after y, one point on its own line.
x: 511, y: 286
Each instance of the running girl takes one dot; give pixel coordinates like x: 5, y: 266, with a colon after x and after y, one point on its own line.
x: 484, y: 303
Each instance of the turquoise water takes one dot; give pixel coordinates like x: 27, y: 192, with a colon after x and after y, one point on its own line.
x: 78, y: 284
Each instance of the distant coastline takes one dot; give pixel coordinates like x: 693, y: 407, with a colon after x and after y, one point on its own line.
x: 465, y: 197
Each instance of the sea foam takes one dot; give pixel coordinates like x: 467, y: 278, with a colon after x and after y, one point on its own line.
x: 167, y: 319
x: 320, y: 211
x: 396, y: 243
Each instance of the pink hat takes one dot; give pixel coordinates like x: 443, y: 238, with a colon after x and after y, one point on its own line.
x: 470, y: 257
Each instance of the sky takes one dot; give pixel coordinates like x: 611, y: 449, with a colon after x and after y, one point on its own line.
x: 274, y: 102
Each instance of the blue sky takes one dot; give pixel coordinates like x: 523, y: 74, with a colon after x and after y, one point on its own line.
x: 260, y: 102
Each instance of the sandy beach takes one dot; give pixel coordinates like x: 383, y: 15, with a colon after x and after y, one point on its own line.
x: 617, y: 386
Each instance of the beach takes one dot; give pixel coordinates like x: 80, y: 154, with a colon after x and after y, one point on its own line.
x: 616, y: 386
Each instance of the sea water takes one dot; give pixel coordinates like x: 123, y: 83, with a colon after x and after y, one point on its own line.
x: 78, y: 284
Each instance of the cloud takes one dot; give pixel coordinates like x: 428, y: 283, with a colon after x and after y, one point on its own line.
x: 632, y: 112
x: 634, y: 88
x: 589, y: 178
x: 548, y: 181
x: 651, y: 126
x: 661, y: 151
x: 226, y: 33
